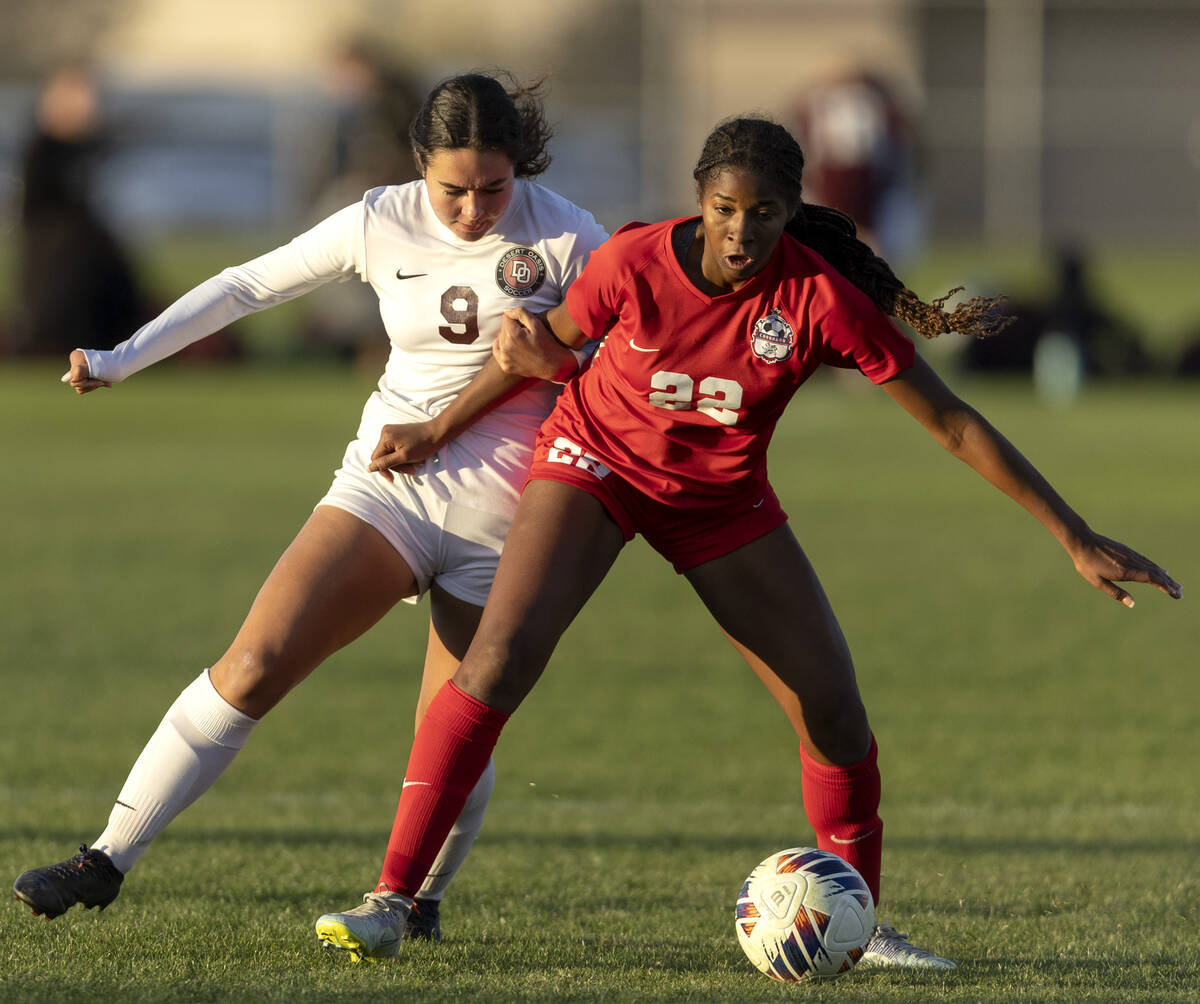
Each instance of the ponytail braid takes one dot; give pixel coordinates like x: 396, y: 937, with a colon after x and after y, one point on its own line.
x: 832, y: 234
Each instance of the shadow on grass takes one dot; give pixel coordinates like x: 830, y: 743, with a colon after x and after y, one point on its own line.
x: 665, y: 840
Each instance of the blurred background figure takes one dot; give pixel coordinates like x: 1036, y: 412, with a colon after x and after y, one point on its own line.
x: 374, y: 102
x: 76, y: 285
x: 1072, y: 317
x: 859, y: 148
x: 1189, y: 358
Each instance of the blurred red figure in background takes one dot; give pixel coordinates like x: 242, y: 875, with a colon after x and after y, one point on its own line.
x: 859, y: 149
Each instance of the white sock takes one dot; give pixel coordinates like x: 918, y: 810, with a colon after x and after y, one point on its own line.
x: 197, y: 739
x: 462, y: 835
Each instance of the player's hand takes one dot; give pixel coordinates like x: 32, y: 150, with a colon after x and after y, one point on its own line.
x: 79, y: 377
x: 525, y: 347
x: 1104, y: 563
x: 402, y: 447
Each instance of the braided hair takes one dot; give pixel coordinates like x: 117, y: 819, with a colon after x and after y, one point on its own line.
x: 485, y: 112
x: 769, y: 150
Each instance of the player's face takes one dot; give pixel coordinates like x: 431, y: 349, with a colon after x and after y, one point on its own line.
x: 743, y: 216
x: 469, y: 189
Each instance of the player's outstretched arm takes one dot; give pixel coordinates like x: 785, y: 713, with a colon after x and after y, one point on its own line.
x: 79, y: 377
x: 970, y: 437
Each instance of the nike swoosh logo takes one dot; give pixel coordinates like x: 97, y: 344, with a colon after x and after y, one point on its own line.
x: 852, y: 840
x: 755, y: 506
x: 638, y: 348
x: 416, y: 275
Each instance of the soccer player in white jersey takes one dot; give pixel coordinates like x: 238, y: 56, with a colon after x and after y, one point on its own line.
x: 420, y: 503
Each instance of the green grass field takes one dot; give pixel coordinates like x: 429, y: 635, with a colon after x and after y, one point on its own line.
x: 1038, y: 741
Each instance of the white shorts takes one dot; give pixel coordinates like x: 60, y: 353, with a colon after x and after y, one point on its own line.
x: 440, y: 540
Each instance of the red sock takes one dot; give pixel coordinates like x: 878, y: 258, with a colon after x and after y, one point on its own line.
x: 842, y: 804
x: 452, y: 746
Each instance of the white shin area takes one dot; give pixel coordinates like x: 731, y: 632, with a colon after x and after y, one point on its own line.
x: 197, y: 739
x: 462, y: 835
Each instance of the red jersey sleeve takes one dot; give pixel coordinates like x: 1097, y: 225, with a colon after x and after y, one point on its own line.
x: 594, y: 299
x: 855, y: 334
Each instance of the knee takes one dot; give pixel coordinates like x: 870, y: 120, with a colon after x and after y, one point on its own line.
x: 500, y: 673
x: 253, y: 681
x: 838, y: 733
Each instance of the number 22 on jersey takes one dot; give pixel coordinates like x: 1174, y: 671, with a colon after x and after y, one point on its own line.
x: 676, y: 392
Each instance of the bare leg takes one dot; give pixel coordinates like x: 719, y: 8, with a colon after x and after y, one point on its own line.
x: 561, y: 545
x: 452, y: 625
x: 336, y: 579
x: 767, y: 599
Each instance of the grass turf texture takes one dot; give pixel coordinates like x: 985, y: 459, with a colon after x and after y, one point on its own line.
x: 1037, y: 740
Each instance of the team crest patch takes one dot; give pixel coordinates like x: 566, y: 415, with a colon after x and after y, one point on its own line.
x: 773, y: 338
x: 521, y: 272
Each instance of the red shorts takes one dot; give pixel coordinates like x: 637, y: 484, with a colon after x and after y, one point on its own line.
x: 685, y: 536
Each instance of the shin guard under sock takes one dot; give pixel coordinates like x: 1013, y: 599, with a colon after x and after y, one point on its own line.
x: 452, y: 747
x: 842, y: 804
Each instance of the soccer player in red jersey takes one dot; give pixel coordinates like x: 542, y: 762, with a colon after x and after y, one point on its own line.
x: 710, y: 324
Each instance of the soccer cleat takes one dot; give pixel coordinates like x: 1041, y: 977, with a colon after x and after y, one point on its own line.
x: 423, y: 923
x: 371, y: 931
x: 888, y: 947
x: 89, y: 878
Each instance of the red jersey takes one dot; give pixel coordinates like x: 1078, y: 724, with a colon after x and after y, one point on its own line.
x: 683, y: 396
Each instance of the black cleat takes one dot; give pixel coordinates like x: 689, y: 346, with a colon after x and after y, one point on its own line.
x: 89, y: 878
x: 423, y: 923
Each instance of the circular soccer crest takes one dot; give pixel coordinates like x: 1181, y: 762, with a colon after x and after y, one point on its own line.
x: 772, y: 338
x: 521, y: 272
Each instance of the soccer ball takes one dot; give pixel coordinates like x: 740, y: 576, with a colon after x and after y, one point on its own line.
x: 804, y: 913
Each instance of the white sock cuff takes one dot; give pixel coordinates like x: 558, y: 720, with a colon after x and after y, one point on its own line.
x: 214, y: 716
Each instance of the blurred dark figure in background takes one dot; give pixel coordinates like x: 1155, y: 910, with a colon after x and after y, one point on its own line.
x: 1189, y: 360
x: 859, y: 149
x: 1108, y: 347
x: 76, y: 284
x: 374, y: 102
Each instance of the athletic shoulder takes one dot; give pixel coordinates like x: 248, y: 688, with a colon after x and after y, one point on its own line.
x: 825, y: 288
x: 635, y: 246
x: 394, y: 202
x: 852, y: 329
x: 548, y: 200
x: 553, y: 215
x: 801, y: 261
x: 634, y: 254
x: 636, y: 231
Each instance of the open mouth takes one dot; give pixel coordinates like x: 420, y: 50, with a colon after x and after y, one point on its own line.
x: 738, y: 262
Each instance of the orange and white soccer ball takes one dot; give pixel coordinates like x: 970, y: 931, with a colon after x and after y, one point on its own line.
x: 804, y: 913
